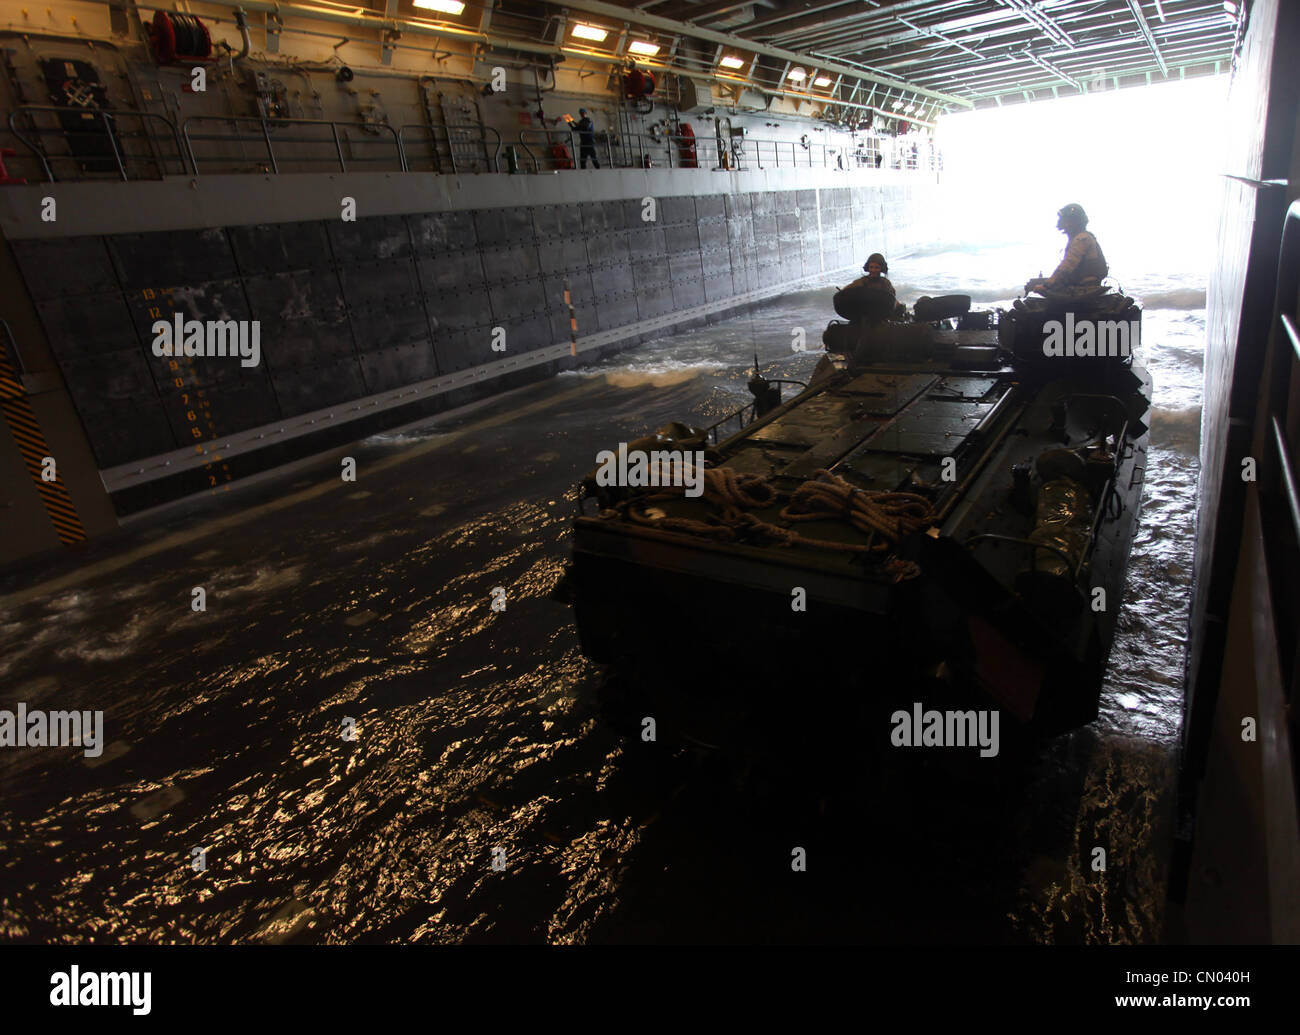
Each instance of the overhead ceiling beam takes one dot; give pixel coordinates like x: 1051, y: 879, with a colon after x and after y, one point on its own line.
x: 706, y: 12
x: 1136, y: 8
x: 816, y: 13
x: 1047, y: 66
x: 1045, y: 22
x: 940, y: 36
x: 613, y: 12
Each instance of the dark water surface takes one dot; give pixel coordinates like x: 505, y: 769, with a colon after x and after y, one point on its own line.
x: 478, y: 735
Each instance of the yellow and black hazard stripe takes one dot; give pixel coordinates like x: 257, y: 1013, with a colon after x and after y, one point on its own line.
x: 573, y: 320
x: 31, y: 442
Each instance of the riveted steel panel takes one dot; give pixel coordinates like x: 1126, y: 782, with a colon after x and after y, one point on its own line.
x: 580, y: 289
x: 617, y: 311
x: 716, y: 264
x: 302, y: 315
x: 452, y: 271
x: 469, y: 347
x: 738, y: 206
x: 522, y: 297
x: 277, y: 247
x: 218, y: 300
x: 552, y: 221
x: 453, y: 351
x: 376, y: 238
x: 172, y: 257
x: 110, y: 375
x: 504, y: 226
x: 634, y: 211
x: 646, y: 242
x: 791, y: 256
x: 688, y: 293
x: 94, y: 324
x: 207, y: 372
x: 595, y: 218
x: 531, y: 332
x: 312, y: 295
x: 613, y: 280
x: 237, y: 406
x: 299, y: 343
x: 677, y: 210
x: 562, y: 253
x: 653, y: 273
x: 682, y: 239
x: 717, y: 287
x: 685, y: 267
x: 714, y: 237
x: 380, y: 327
x: 379, y: 283
x: 304, y: 389
x: 654, y: 301
x: 740, y: 235
x: 505, y: 263
x: 388, y: 368
x: 437, y: 232
x: 65, y: 267
x: 126, y: 429
x: 459, y: 310
x: 710, y: 206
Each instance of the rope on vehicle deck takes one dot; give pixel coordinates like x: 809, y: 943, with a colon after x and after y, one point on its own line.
x: 886, y: 518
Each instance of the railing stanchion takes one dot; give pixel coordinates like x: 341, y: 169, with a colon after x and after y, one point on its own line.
x: 338, y: 146
x: 270, y: 150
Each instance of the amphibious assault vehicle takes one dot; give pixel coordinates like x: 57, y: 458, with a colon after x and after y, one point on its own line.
x: 942, y: 516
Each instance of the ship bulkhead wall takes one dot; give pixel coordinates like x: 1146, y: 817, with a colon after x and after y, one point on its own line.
x: 374, y: 322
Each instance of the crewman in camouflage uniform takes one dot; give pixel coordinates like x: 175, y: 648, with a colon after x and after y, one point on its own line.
x: 1084, y: 265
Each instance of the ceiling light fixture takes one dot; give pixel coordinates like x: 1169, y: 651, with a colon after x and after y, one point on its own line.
x: 647, y: 49
x: 445, y: 6
x: 590, y: 32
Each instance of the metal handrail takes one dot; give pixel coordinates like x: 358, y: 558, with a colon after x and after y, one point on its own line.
x: 491, y: 158
x: 737, y: 415
x: 108, y: 116
x: 565, y: 135
x: 617, y: 150
x: 266, y: 125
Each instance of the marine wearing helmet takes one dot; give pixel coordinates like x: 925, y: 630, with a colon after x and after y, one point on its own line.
x: 874, y: 267
x: 1084, y: 265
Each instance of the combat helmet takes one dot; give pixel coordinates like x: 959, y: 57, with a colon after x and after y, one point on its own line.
x: 1073, y: 213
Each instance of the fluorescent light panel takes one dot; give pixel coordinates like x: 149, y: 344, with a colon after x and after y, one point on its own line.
x: 797, y: 74
x: 732, y: 62
x: 590, y: 32
x: 648, y: 49
x: 445, y: 6
x: 822, y: 80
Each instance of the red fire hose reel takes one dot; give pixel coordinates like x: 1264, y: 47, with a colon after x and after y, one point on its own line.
x: 179, y: 38
x: 638, y: 83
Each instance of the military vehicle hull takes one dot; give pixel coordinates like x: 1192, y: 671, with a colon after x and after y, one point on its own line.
x: 932, y: 520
